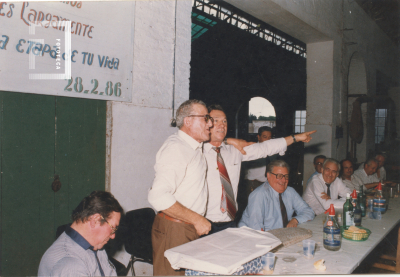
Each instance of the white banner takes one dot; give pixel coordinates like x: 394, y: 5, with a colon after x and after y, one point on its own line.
x: 74, y: 49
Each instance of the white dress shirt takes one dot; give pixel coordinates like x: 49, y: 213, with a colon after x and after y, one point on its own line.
x: 180, y: 175
x: 317, y: 185
x: 354, y: 184
x: 365, y: 179
x: 233, y: 159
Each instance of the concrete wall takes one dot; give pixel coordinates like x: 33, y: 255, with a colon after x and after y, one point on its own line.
x: 139, y: 128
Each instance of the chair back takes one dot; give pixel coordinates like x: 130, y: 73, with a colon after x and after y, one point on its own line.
x: 137, y: 234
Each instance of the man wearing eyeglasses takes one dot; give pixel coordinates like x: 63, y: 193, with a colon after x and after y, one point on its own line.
x: 325, y: 188
x: 79, y: 250
x: 224, y: 164
x: 318, y: 161
x: 271, y: 205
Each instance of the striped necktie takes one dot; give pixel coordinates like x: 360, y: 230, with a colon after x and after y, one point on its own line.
x: 227, y: 198
x: 283, y: 211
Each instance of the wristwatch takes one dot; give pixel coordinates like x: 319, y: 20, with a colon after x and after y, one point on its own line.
x: 294, y: 138
x: 226, y: 140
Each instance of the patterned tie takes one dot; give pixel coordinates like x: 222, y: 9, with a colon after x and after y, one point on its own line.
x: 329, y: 190
x: 227, y: 198
x: 283, y: 211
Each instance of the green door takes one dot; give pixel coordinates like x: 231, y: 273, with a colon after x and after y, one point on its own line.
x: 43, y: 137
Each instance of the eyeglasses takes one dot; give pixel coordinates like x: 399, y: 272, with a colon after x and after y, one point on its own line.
x: 280, y: 176
x: 318, y: 163
x: 113, y: 229
x: 207, y: 117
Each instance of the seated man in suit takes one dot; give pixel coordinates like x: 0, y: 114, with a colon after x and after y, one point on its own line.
x: 272, y: 204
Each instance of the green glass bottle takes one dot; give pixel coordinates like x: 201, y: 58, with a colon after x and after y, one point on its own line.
x: 347, y: 213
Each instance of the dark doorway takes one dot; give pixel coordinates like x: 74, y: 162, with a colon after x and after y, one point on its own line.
x: 230, y: 65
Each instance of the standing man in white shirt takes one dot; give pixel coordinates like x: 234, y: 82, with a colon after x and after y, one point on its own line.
x: 179, y: 192
x: 325, y: 188
x: 255, y: 174
x: 232, y: 159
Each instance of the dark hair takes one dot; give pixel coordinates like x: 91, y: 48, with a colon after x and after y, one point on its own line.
x: 215, y: 107
x: 341, y: 166
x: 185, y: 109
x: 277, y: 163
x: 263, y: 129
x: 319, y: 157
x: 98, y: 202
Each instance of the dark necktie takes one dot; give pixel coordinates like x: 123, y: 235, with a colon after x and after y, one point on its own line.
x: 329, y: 190
x: 283, y: 211
x: 227, y: 198
x: 98, y: 262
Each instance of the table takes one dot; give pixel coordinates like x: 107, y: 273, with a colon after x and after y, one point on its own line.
x: 290, y: 260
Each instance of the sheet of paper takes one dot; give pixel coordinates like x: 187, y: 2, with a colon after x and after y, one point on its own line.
x: 223, y: 252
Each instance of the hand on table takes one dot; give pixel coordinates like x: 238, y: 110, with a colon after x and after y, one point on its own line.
x: 325, y: 196
x: 292, y: 223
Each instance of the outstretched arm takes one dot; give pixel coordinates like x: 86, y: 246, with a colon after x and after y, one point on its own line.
x: 303, y: 137
x: 239, y: 144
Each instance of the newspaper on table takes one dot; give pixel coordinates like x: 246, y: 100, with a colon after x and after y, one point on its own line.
x: 224, y: 252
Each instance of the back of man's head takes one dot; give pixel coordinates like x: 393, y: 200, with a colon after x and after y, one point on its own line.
x: 185, y: 109
x: 98, y: 202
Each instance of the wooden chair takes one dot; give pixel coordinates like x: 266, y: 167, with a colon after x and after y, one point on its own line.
x: 396, y: 259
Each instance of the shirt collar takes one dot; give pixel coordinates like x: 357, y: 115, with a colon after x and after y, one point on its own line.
x: 75, y: 236
x: 191, y: 141
x: 275, y: 193
x: 208, y: 146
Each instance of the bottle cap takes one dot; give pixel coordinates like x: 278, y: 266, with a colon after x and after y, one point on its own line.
x: 379, y: 187
x: 331, y: 210
x: 348, y: 195
x: 354, y: 194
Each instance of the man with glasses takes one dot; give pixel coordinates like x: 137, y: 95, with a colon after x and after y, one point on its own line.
x: 79, y: 250
x: 224, y: 163
x: 325, y: 188
x: 179, y: 192
x: 271, y: 205
x: 318, y: 161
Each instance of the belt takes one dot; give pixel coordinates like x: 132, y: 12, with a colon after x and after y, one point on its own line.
x: 163, y: 215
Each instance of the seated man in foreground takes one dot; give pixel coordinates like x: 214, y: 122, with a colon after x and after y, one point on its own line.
x: 78, y: 251
x: 272, y: 204
x: 325, y: 188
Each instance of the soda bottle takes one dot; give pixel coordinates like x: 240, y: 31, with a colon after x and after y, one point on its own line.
x: 347, y: 213
x: 379, y: 200
x: 332, y: 238
x: 354, y: 198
